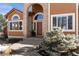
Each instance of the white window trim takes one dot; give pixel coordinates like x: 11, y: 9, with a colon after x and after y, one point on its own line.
x: 15, y: 21
x: 15, y: 15
x: 15, y: 36
x: 65, y: 14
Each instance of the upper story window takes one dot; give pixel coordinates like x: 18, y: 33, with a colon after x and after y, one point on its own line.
x: 16, y: 23
x: 39, y: 17
x: 15, y: 17
x: 66, y: 21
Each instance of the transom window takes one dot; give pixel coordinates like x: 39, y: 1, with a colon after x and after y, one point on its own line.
x: 39, y: 17
x: 15, y: 18
x: 66, y: 21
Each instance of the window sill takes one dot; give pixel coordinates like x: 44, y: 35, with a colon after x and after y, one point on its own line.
x: 16, y: 30
x: 68, y: 30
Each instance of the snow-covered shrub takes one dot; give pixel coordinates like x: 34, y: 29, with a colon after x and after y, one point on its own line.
x: 58, y: 41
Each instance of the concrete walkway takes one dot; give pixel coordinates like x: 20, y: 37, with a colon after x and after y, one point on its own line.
x: 32, y: 41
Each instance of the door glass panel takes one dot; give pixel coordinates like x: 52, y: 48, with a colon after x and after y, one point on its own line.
x: 34, y: 26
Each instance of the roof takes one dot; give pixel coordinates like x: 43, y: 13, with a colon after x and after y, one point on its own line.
x: 12, y: 11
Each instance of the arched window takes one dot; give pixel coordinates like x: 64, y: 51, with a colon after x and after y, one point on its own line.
x: 16, y: 23
x: 15, y: 18
x: 39, y: 17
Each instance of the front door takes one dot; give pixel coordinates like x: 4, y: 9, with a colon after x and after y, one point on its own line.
x: 38, y: 18
x: 39, y: 28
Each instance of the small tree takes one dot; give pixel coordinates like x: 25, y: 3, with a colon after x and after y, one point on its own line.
x: 3, y: 26
x: 3, y: 21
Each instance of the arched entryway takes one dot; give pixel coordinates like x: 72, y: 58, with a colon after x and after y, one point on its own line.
x: 35, y: 19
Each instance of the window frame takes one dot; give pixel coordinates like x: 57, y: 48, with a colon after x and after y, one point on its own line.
x: 19, y: 20
x: 12, y: 22
x: 62, y: 15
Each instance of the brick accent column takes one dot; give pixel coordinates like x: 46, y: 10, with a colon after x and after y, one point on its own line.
x: 45, y: 21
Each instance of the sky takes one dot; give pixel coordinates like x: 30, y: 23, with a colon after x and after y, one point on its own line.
x: 6, y: 7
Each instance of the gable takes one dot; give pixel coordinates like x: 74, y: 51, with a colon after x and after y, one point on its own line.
x: 13, y: 12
